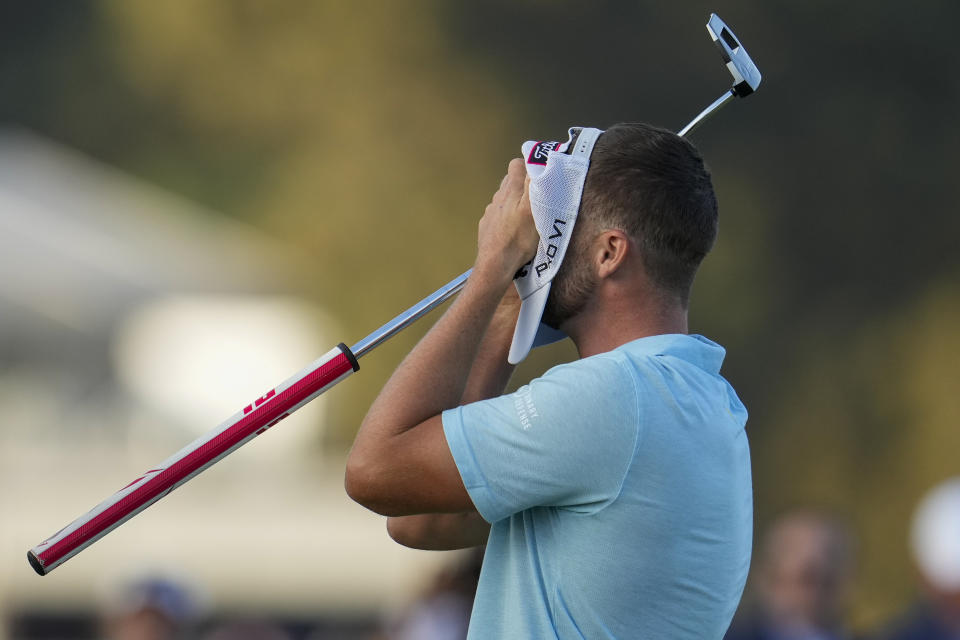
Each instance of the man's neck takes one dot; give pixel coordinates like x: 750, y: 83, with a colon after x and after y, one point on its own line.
x: 615, y: 319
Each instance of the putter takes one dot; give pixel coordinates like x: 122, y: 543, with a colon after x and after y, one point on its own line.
x: 279, y: 402
x: 746, y: 76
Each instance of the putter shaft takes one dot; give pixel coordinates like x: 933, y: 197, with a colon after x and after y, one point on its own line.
x: 703, y: 115
x: 411, y: 315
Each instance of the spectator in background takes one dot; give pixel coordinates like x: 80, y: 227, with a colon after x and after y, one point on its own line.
x: 149, y: 609
x: 802, y: 581
x: 935, y: 542
x: 443, y: 612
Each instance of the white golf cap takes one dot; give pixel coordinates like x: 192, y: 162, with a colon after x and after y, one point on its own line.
x: 935, y: 536
x: 557, y: 172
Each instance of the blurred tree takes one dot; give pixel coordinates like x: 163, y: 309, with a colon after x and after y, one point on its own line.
x: 357, y: 132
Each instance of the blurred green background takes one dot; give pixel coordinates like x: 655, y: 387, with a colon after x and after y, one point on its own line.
x: 370, y: 136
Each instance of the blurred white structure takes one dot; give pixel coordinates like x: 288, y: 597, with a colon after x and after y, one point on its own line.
x: 130, y: 322
x: 935, y: 536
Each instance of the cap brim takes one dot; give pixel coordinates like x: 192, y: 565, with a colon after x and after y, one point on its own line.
x: 528, y: 323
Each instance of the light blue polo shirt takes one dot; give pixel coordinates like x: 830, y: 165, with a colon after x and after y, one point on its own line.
x: 618, y: 488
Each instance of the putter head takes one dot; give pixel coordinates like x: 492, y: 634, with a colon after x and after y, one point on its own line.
x: 746, y: 76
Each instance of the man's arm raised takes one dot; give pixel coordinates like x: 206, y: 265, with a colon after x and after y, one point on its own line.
x: 400, y: 463
x: 487, y: 379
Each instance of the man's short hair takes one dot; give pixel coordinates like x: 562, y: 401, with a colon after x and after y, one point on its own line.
x: 653, y: 185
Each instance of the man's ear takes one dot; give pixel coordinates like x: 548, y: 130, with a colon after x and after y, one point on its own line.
x: 610, y: 252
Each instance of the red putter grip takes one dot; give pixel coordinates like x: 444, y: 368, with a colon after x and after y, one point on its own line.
x: 251, y: 421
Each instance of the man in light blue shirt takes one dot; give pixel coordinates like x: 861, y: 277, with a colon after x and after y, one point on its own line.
x: 614, y: 492
x: 619, y: 488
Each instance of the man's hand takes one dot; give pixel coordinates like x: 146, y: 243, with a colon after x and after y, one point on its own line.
x: 507, y: 237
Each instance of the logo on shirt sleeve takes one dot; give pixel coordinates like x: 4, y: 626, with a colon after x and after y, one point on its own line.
x: 524, y: 406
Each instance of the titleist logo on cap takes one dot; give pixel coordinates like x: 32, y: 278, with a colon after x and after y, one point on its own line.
x: 541, y: 151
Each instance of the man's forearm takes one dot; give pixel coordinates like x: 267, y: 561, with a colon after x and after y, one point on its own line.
x: 491, y: 372
x: 401, y: 463
x: 487, y: 378
x: 392, y: 468
x: 439, y: 531
x: 433, y: 377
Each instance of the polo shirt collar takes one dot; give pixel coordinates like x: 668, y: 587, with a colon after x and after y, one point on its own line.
x: 696, y: 349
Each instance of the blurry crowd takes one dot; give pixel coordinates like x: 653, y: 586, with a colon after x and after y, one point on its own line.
x: 804, y: 570
x: 170, y: 608
x: 804, y: 573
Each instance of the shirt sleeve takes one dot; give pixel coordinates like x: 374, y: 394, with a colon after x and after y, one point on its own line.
x: 565, y: 440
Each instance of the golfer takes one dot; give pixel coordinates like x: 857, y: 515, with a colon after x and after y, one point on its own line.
x: 614, y: 492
